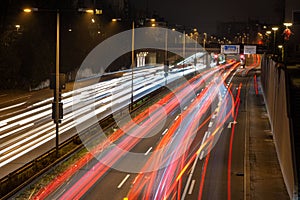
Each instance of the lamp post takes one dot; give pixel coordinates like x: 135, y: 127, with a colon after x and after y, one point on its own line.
x: 183, y: 51
x: 268, y: 39
x: 57, y: 104
x: 132, y: 62
x: 274, y: 45
x: 204, y: 39
x: 56, y: 94
x: 132, y: 58
x: 282, y: 49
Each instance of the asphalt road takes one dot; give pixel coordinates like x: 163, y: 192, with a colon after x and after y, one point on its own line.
x: 215, y: 183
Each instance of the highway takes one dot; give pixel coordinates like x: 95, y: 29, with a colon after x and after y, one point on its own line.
x: 194, y: 148
x: 185, y: 146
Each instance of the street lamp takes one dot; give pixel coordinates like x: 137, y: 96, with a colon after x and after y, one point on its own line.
x: 132, y: 57
x: 57, y: 88
x: 288, y: 24
x: 274, y: 29
x: 280, y: 47
x: 57, y: 104
x: 204, y: 39
x: 268, y: 33
x: 132, y: 62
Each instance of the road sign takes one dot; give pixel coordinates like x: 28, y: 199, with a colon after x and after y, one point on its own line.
x: 230, y: 49
x: 249, y: 49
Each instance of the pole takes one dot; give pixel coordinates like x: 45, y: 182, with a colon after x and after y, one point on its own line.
x: 132, y: 63
x: 204, y: 40
x: 195, y: 61
x: 166, y: 56
x: 183, y: 51
x: 56, y: 95
x: 274, y: 49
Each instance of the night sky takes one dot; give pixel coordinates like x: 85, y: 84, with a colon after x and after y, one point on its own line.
x: 205, y: 14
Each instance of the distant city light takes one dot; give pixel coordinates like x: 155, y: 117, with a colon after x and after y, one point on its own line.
x: 93, y: 20
x: 98, y: 12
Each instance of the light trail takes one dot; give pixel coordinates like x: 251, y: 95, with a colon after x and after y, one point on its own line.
x: 132, y: 142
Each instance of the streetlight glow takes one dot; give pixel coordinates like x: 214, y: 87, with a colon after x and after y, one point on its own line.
x: 152, y: 20
x: 90, y: 11
x: 287, y: 24
x: 274, y: 28
x: 27, y: 10
x: 268, y: 32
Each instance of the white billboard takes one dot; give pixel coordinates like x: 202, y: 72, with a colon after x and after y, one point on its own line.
x: 249, y: 49
x: 230, y: 49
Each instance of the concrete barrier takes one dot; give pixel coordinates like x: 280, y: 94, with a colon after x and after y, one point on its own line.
x: 274, y: 85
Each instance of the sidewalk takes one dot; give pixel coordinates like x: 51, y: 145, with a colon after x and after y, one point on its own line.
x: 265, y: 180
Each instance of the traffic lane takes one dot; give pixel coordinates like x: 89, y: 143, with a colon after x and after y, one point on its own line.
x: 216, y: 166
x: 107, y: 187
x: 210, y: 177
x: 139, y: 148
x: 238, y: 175
x: 218, y: 184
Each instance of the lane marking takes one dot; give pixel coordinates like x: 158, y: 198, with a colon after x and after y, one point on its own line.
x: 230, y: 124
x: 205, y: 136
x: 123, y: 181
x: 192, y: 187
x: 165, y: 131
x: 176, y: 118
x: 201, y: 155
x: 189, y: 178
x: 147, y: 152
